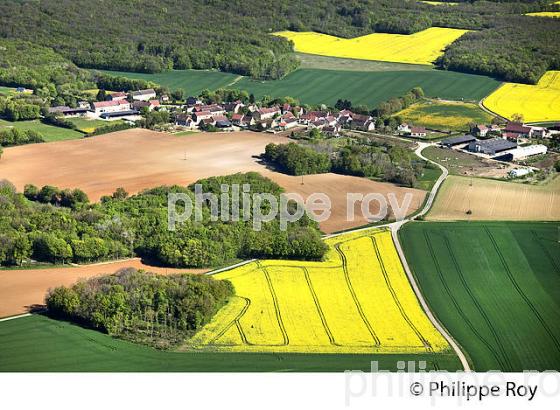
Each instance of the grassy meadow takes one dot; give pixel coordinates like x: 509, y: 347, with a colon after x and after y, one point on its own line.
x: 49, y: 132
x: 494, y: 286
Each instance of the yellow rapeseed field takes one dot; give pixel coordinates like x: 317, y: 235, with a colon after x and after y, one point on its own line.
x: 554, y: 14
x: 358, y: 300
x: 419, y: 48
x: 539, y: 102
x: 439, y: 3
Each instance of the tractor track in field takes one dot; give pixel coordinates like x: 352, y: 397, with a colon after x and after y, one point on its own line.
x: 376, y: 340
x: 477, y: 304
x: 418, y: 334
x: 519, y: 290
x: 456, y: 303
x: 276, y: 305
x: 235, y: 322
x: 553, y: 261
x: 319, y: 309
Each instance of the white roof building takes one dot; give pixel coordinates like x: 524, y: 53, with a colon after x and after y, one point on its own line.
x: 527, y: 151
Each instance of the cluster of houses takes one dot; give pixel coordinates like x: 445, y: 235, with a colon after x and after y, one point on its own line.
x: 513, y: 131
x: 275, y: 118
x: 511, y: 143
x: 118, y: 105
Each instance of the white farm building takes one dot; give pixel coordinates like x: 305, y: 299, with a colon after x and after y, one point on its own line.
x: 527, y: 151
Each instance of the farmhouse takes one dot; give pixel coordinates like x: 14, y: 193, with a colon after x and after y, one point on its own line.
x: 403, y: 128
x: 221, y: 121
x: 455, y: 141
x: 185, y: 120
x: 117, y: 96
x: 100, y: 107
x: 418, y: 132
x: 515, y: 129
x: 491, y: 147
x: 144, y: 95
x: 201, y: 116
x: 266, y: 113
x: 287, y: 123
x: 331, y: 130
x: 480, y: 130
x: 150, y: 105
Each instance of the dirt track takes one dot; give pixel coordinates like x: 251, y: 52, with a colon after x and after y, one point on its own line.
x: 22, y: 289
x: 139, y: 159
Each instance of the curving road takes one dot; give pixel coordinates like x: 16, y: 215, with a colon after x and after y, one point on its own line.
x: 394, y: 233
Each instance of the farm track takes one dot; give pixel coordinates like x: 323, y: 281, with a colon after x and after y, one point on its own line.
x: 418, y: 334
x: 520, y: 291
x: 319, y: 310
x: 355, y: 297
x: 475, y: 301
x: 456, y: 303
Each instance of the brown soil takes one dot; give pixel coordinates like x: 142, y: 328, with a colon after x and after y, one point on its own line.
x: 24, y: 289
x: 138, y: 159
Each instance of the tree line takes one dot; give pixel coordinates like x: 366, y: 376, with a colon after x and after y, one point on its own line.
x: 159, y: 311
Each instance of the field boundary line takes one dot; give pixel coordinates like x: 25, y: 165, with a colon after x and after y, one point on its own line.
x: 389, y: 285
x: 394, y: 233
x: 425, y: 306
x: 5, y: 319
x: 225, y: 269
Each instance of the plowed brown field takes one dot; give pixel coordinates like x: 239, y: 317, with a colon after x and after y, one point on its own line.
x: 138, y: 159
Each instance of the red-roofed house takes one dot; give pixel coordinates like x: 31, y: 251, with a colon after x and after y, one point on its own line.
x: 418, y: 132
x: 519, y: 129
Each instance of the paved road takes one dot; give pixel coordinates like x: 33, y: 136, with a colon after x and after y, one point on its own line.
x: 394, y: 227
x: 395, y: 234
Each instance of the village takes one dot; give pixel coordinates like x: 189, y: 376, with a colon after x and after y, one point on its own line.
x: 511, y: 142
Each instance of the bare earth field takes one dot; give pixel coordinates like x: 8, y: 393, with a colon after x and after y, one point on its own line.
x: 138, y: 159
x: 22, y: 289
x: 495, y: 200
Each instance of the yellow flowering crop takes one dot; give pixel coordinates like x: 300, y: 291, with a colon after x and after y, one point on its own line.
x: 539, y: 102
x: 555, y: 14
x: 358, y: 300
x: 419, y: 48
x: 439, y: 3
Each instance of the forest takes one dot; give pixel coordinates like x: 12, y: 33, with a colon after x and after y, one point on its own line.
x: 233, y: 36
x: 50, y: 225
x: 159, y: 311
